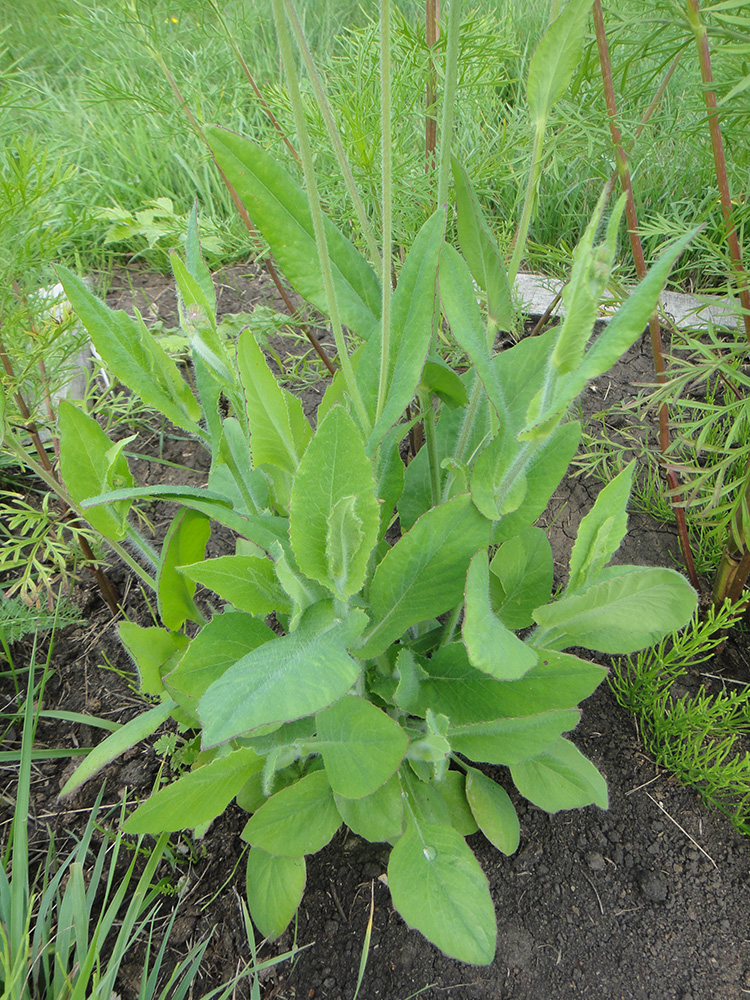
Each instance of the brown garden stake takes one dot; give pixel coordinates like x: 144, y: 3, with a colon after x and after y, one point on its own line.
x: 640, y: 266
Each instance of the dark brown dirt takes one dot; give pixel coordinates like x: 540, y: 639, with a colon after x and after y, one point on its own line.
x: 646, y: 901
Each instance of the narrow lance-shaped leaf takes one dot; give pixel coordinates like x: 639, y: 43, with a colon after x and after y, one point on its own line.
x: 270, y: 410
x: 412, y: 321
x: 86, y: 468
x: 555, y: 58
x: 133, y: 355
x: 459, y: 301
x: 334, y: 514
x: 492, y: 647
x: 481, y: 251
x: 601, y: 531
x: 280, y: 209
x: 197, y: 797
x: 114, y: 746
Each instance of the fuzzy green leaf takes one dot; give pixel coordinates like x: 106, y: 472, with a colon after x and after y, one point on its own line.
x: 300, y: 819
x: 133, y: 355
x: 220, y: 644
x: 376, y: 817
x: 197, y: 797
x: 494, y: 812
x: 438, y: 887
x: 275, y: 886
x: 185, y: 542
x: 601, y: 531
x: 491, y: 646
x: 507, y: 741
x: 560, y: 778
x: 280, y: 209
x: 412, y: 320
x: 249, y: 583
x: 273, y: 414
x: 150, y: 649
x: 424, y: 573
x: 334, y: 514
x: 361, y: 746
x: 296, y: 675
x: 86, y: 468
x: 628, y: 612
x: 555, y: 59
x: 524, y: 567
x: 481, y: 251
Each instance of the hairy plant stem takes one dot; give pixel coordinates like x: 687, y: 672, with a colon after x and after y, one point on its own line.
x: 430, y: 436
x: 333, y: 132
x: 636, y: 246
x: 287, y: 57
x: 449, y: 99
x: 387, y: 184
x: 432, y: 29
x: 451, y: 625
x: 720, y: 164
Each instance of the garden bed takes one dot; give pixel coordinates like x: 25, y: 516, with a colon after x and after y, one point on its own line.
x: 646, y: 901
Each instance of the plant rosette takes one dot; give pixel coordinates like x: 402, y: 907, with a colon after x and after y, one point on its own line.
x: 398, y: 670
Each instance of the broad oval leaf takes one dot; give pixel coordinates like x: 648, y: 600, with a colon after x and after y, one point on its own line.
x: 377, y: 817
x: 275, y: 885
x: 560, y: 778
x: 361, y: 746
x: 494, y: 812
x: 249, y: 583
x: 438, y: 887
x: 185, y: 542
x: 300, y: 819
x: 524, y: 568
x: 86, y: 469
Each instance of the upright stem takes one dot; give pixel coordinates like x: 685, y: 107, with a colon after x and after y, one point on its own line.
x: 720, y: 164
x: 432, y: 22
x: 333, y: 132
x: 287, y: 56
x: 640, y: 267
x: 387, y: 183
x: 449, y: 99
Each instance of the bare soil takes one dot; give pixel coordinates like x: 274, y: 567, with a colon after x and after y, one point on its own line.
x: 646, y: 901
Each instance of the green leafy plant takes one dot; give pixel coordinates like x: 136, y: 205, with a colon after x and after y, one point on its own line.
x: 700, y: 737
x: 393, y: 668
